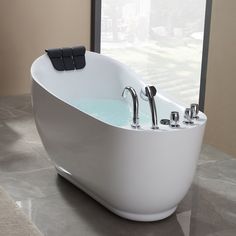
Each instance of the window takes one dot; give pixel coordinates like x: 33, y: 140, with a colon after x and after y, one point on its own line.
x: 161, y: 40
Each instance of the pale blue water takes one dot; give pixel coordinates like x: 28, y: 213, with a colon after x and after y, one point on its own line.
x: 111, y: 111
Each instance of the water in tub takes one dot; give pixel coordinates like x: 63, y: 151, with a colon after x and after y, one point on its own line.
x: 112, y: 111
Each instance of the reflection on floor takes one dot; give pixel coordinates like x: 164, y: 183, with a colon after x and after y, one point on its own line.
x: 58, y: 208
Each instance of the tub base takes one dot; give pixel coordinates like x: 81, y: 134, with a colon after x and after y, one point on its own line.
x: 131, y: 216
x: 143, y: 217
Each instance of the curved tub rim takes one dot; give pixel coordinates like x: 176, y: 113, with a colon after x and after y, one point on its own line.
x: 129, y: 128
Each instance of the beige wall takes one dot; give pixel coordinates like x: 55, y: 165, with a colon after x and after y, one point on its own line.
x: 27, y: 27
x: 220, y: 104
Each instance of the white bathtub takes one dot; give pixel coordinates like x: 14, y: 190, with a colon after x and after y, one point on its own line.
x: 139, y: 174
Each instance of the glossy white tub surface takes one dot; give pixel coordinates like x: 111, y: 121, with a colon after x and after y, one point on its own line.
x: 138, y: 174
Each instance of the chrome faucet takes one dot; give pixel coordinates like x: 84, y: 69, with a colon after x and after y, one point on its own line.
x: 133, y: 93
x: 150, y: 92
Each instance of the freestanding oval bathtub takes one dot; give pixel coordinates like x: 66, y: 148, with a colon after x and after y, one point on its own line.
x: 84, y: 123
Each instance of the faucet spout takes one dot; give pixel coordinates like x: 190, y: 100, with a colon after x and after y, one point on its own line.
x: 135, y: 123
x: 150, y: 92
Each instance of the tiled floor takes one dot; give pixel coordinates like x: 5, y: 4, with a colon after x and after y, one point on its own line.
x: 60, y: 209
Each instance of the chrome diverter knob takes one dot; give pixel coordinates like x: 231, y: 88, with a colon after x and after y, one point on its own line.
x: 195, y: 110
x: 174, y: 119
x: 188, y: 115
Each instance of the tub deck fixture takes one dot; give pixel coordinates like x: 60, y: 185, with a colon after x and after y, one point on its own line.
x: 188, y: 115
x: 150, y: 92
x: 195, y: 110
x: 135, y: 123
x: 174, y: 119
x: 84, y: 124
